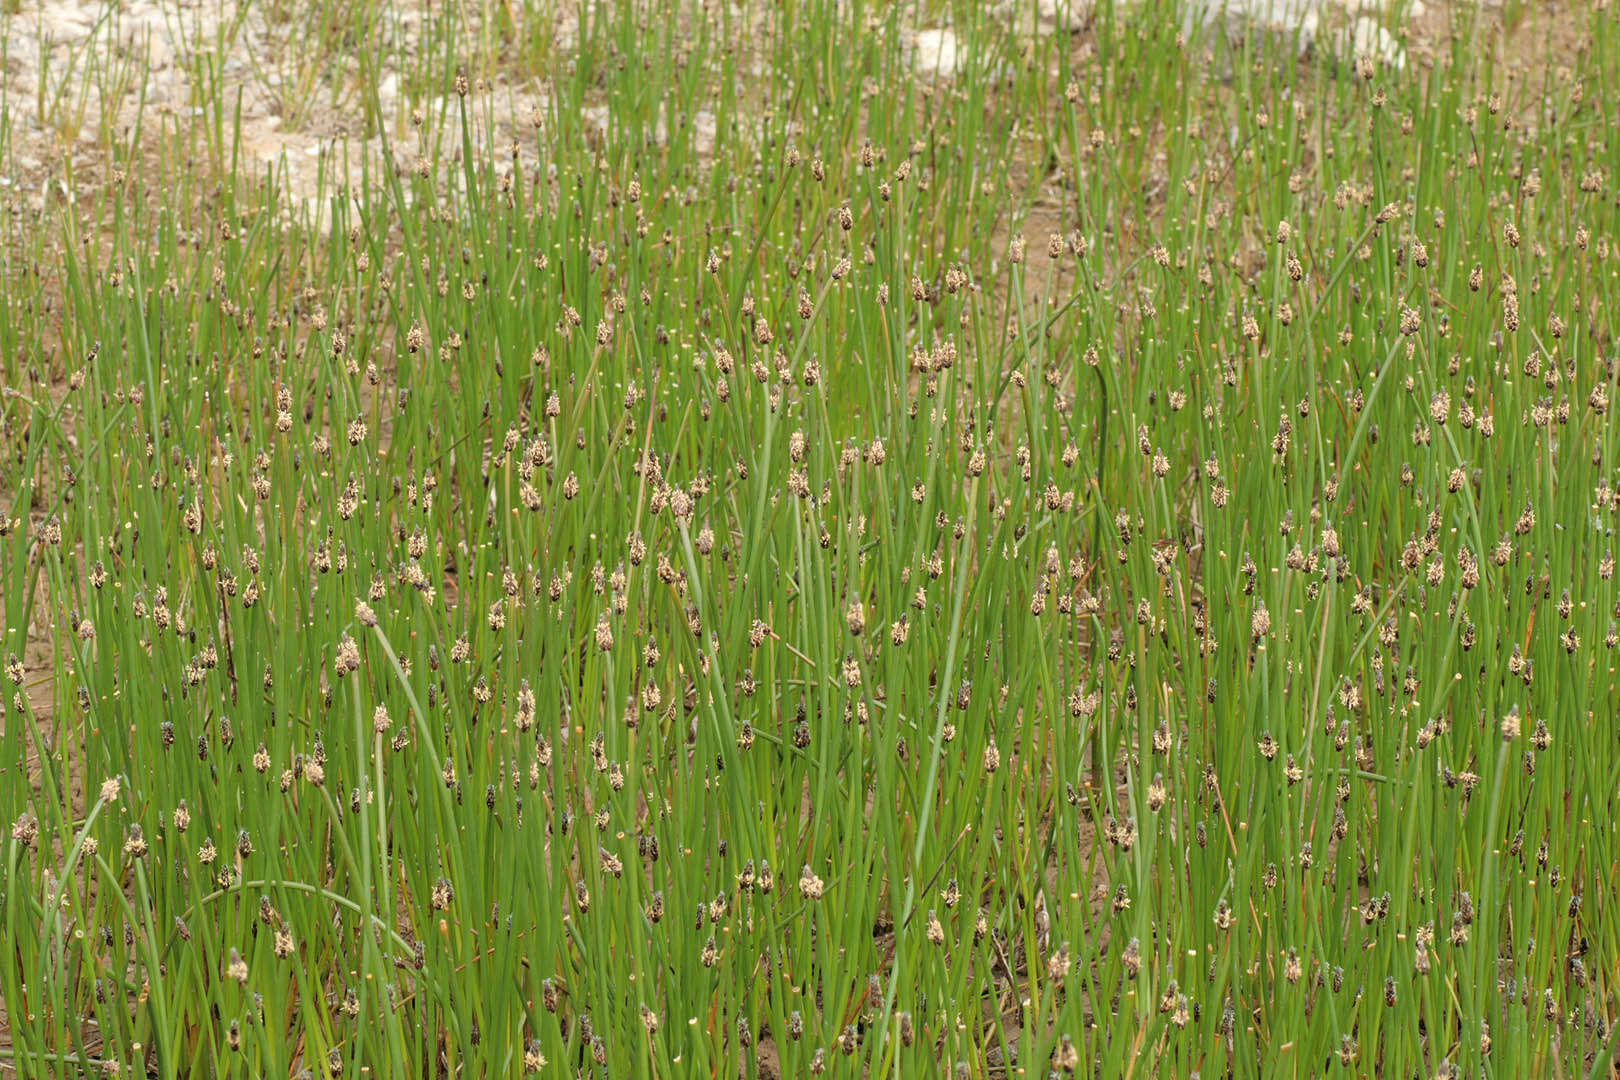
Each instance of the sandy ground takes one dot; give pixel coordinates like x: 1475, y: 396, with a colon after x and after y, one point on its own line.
x: 75, y: 71
x: 78, y: 75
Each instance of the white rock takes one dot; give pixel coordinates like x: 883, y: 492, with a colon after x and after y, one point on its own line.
x: 1415, y: 9
x: 1277, y: 13
x: 1048, y: 16
x: 1298, y: 20
x: 704, y: 130
x: 935, y: 53
x: 1068, y: 15
x: 1369, y: 38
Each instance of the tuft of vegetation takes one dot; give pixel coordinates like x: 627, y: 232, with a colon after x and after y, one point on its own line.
x: 691, y: 539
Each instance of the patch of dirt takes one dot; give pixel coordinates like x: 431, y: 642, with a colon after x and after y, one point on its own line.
x: 768, y: 1060
x: 294, y: 108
